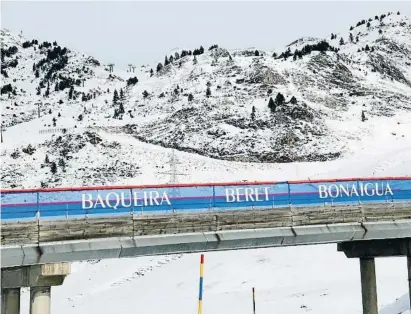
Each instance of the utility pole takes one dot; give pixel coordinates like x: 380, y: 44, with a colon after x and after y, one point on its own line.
x: 173, y: 162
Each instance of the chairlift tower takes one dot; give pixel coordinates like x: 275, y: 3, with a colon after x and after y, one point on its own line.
x: 110, y: 67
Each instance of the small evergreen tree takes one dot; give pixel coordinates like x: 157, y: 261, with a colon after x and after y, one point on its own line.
x: 293, y: 100
x: 61, y: 162
x: 363, y: 116
x: 368, y: 25
x: 145, y: 94
x: 53, y: 167
x: 195, y: 60
x: 152, y: 72
x: 256, y: 53
x: 115, y: 97
x: 121, y: 95
x: 253, y: 113
x: 190, y: 97
x: 37, y: 74
x: 121, y: 108
x: 54, y: 122
x: 342, y: 41
x: 271, y: 104
x: 159, y: 67
x: 351, y: 37
x: 71, y: 91
x: 208, y: 92
x: 47, y: 160
x: 367, y: 48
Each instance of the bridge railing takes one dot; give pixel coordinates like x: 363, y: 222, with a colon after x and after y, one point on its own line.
x: 161, y: 199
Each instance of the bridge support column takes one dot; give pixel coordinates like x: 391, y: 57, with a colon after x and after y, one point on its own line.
x: 368, y: 285
x: 409, y: 276
x: 40, y: 300
x: 40, y: 279
x: 10, y: 301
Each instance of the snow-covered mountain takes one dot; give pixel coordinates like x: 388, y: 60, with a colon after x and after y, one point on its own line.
x: 327, y: 96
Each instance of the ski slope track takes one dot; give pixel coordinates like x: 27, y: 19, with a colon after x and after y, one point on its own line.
x: 58, y: 138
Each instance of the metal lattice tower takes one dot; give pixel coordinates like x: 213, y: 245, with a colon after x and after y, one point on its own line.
x: 173, y: 162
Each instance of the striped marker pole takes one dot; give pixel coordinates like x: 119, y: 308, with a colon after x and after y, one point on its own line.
x: 253, y: 300
x: 200, y: 293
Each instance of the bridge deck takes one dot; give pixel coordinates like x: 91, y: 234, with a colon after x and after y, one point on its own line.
x: 37, y: 232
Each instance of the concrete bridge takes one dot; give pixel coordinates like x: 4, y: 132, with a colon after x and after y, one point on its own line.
x: 366, y: 220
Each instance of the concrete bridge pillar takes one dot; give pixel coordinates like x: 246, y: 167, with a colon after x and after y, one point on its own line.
x: 40, y: 300
x: 409, y: 276
x: 40, y: 279
x: 10, y: 301
x: 368, y: 285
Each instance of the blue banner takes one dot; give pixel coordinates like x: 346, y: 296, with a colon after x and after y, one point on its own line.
x: 19, y: 204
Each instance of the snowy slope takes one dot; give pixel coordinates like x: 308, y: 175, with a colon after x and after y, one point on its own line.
x: 323, y: 122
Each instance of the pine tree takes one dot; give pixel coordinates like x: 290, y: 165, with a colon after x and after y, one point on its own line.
x: 47, y: 93
x: 368, y: 25
x: 62, y: 163
x: 115, y: 97
x: 351, y: 37
x: 46, y: 160
x: 208, y: 92
x: 293, y: 100
x: 121, y: 95
x: 253, y: 113
x: 56, y: 87
x: 271, y: 104
x: 342, y: 41
x: 201, y: 51
x: 190, y: 97
x: 152, y: 72
x: 380, y: 31
x: 53, y: 167
x: 121, y: 108
x: 37, y: 74
x: 145, y: 94
x: 159, y: 67
x: 256, y: 53
x: 363, y: 116
x: 71, y: 91
x: 59, y: 115
x: 195, y: 60
x: 367, y: 48
x: 54, y: 122
x: 165, y: 61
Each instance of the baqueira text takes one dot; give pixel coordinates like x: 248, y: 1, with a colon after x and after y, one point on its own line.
x: 115, y: 200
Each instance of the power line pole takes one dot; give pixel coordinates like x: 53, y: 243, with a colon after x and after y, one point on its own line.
x: 173, y: 162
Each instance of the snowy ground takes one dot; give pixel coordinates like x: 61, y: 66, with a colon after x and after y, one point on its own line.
x: 291, y: 280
